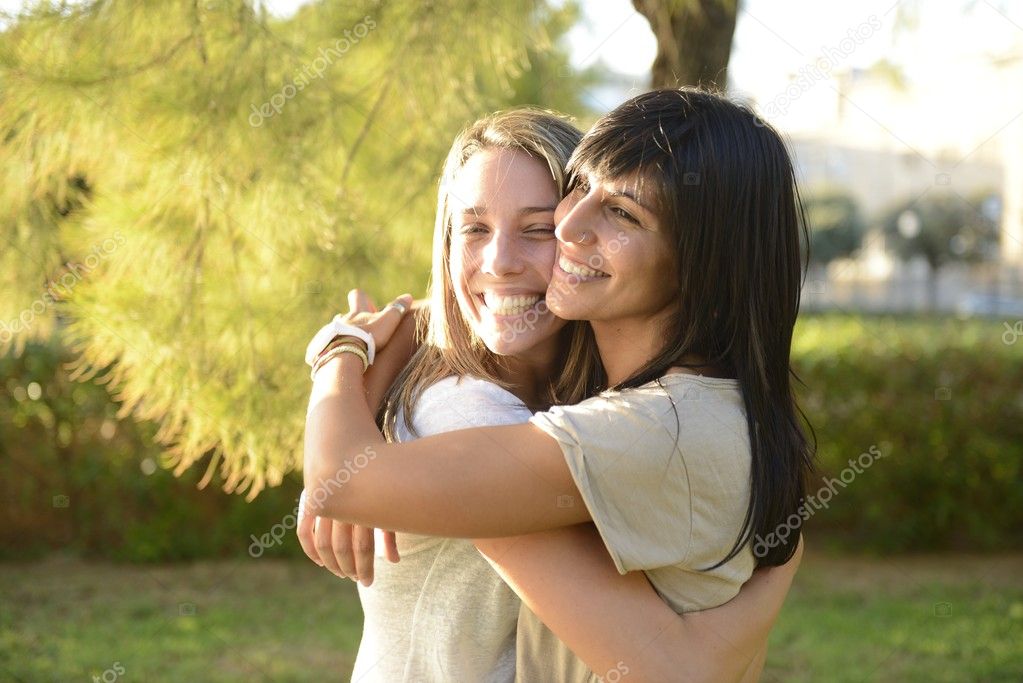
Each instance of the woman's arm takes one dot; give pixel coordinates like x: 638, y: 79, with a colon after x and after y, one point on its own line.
x: 566, y: 577
x: 474, y: 483
x: 392, y: 358
x: 344, y: 549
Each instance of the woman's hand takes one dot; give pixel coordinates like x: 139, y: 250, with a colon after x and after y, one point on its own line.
x: 346, y: 550
x: 362, y: 312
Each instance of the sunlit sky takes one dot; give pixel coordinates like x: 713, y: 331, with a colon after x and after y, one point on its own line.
x: 774, y: 39
x: 945, y: 49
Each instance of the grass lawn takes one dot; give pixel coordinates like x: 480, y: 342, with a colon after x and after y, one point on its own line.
x: 909, y: 619
x: 936, y: 619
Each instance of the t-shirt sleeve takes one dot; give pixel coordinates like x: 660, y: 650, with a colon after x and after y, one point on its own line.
x: 631, y: 475
x: 453, y: 404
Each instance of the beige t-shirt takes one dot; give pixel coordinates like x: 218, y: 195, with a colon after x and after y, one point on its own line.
x: 664, y: 470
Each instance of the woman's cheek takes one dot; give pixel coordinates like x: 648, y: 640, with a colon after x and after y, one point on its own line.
x: 542, y: 256
x: 463, y: 261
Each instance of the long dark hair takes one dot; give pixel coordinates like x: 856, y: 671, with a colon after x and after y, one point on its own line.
x: 723, y: 186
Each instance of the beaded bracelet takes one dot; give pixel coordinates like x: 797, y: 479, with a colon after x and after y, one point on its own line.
x: 336, y: 342
x: 336, y: 350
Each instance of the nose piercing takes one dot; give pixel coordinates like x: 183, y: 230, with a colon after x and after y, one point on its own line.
x: 583, y: 236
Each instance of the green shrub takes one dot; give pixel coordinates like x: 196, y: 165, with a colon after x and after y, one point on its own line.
x: 74, y: 477
x: 942, y: 400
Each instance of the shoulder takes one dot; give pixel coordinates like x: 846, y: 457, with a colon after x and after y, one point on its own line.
x: 669, y: 412
x: 468, y: 386
x: 464, y: 402
x: 659, y: 466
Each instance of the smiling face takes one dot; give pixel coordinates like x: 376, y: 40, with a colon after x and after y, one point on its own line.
x: 614, y: 258
x: 503, y: 249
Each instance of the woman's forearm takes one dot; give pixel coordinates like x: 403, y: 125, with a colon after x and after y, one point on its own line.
x: 609, y: 620
x: 473, y: 483
x: 567, y: 578
x: 335, y: 448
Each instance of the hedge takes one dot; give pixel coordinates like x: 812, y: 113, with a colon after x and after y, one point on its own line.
x: 942, y: 400
x: 929, y: 411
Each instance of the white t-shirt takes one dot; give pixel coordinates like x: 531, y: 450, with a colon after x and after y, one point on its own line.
x: 441, y: 614
x: 664, y: 470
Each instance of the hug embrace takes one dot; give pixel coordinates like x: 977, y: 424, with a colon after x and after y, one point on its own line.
x: 567, y: 453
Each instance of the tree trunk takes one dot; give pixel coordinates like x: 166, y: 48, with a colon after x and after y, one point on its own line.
x: 932, y: 288
x: 694, y: 40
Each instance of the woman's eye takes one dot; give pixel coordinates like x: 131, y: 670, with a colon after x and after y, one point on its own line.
x: 541, y: 229
x: 622, y: 213
x: 472, y: 228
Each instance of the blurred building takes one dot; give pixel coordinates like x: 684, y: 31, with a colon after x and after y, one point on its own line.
x: 1010, y: 68
x: 887, y: 140
x: 881, y: 177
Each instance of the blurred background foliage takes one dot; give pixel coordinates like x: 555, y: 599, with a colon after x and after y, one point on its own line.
x: 177, y: 215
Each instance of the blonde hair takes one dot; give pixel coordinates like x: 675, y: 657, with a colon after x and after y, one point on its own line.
x: 449, y: 345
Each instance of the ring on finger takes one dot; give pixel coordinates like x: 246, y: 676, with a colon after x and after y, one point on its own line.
x: 402, y: 308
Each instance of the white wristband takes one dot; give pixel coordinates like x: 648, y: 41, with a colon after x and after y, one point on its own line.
x: 338, y: 328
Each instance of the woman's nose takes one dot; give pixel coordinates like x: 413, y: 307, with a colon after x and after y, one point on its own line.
x: 501, y: 256
x: 575, y: 221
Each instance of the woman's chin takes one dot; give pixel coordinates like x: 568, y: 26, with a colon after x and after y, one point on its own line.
x: 503, y: 346
x: 569, y: 308
x: 513, y: 340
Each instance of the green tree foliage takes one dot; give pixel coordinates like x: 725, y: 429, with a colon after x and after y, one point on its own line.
x: 836, y: 224
x: 548, y: 76
x: 190, y: 187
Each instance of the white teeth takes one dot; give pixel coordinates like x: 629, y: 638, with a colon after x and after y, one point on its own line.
x: 581, y: 271
x: 510, y: 305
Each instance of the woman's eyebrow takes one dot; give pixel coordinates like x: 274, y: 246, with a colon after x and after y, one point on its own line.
x: 526, y: 210
x: 630, y: 196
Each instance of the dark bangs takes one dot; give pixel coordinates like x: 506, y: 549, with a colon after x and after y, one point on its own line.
x: 633, y: 141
